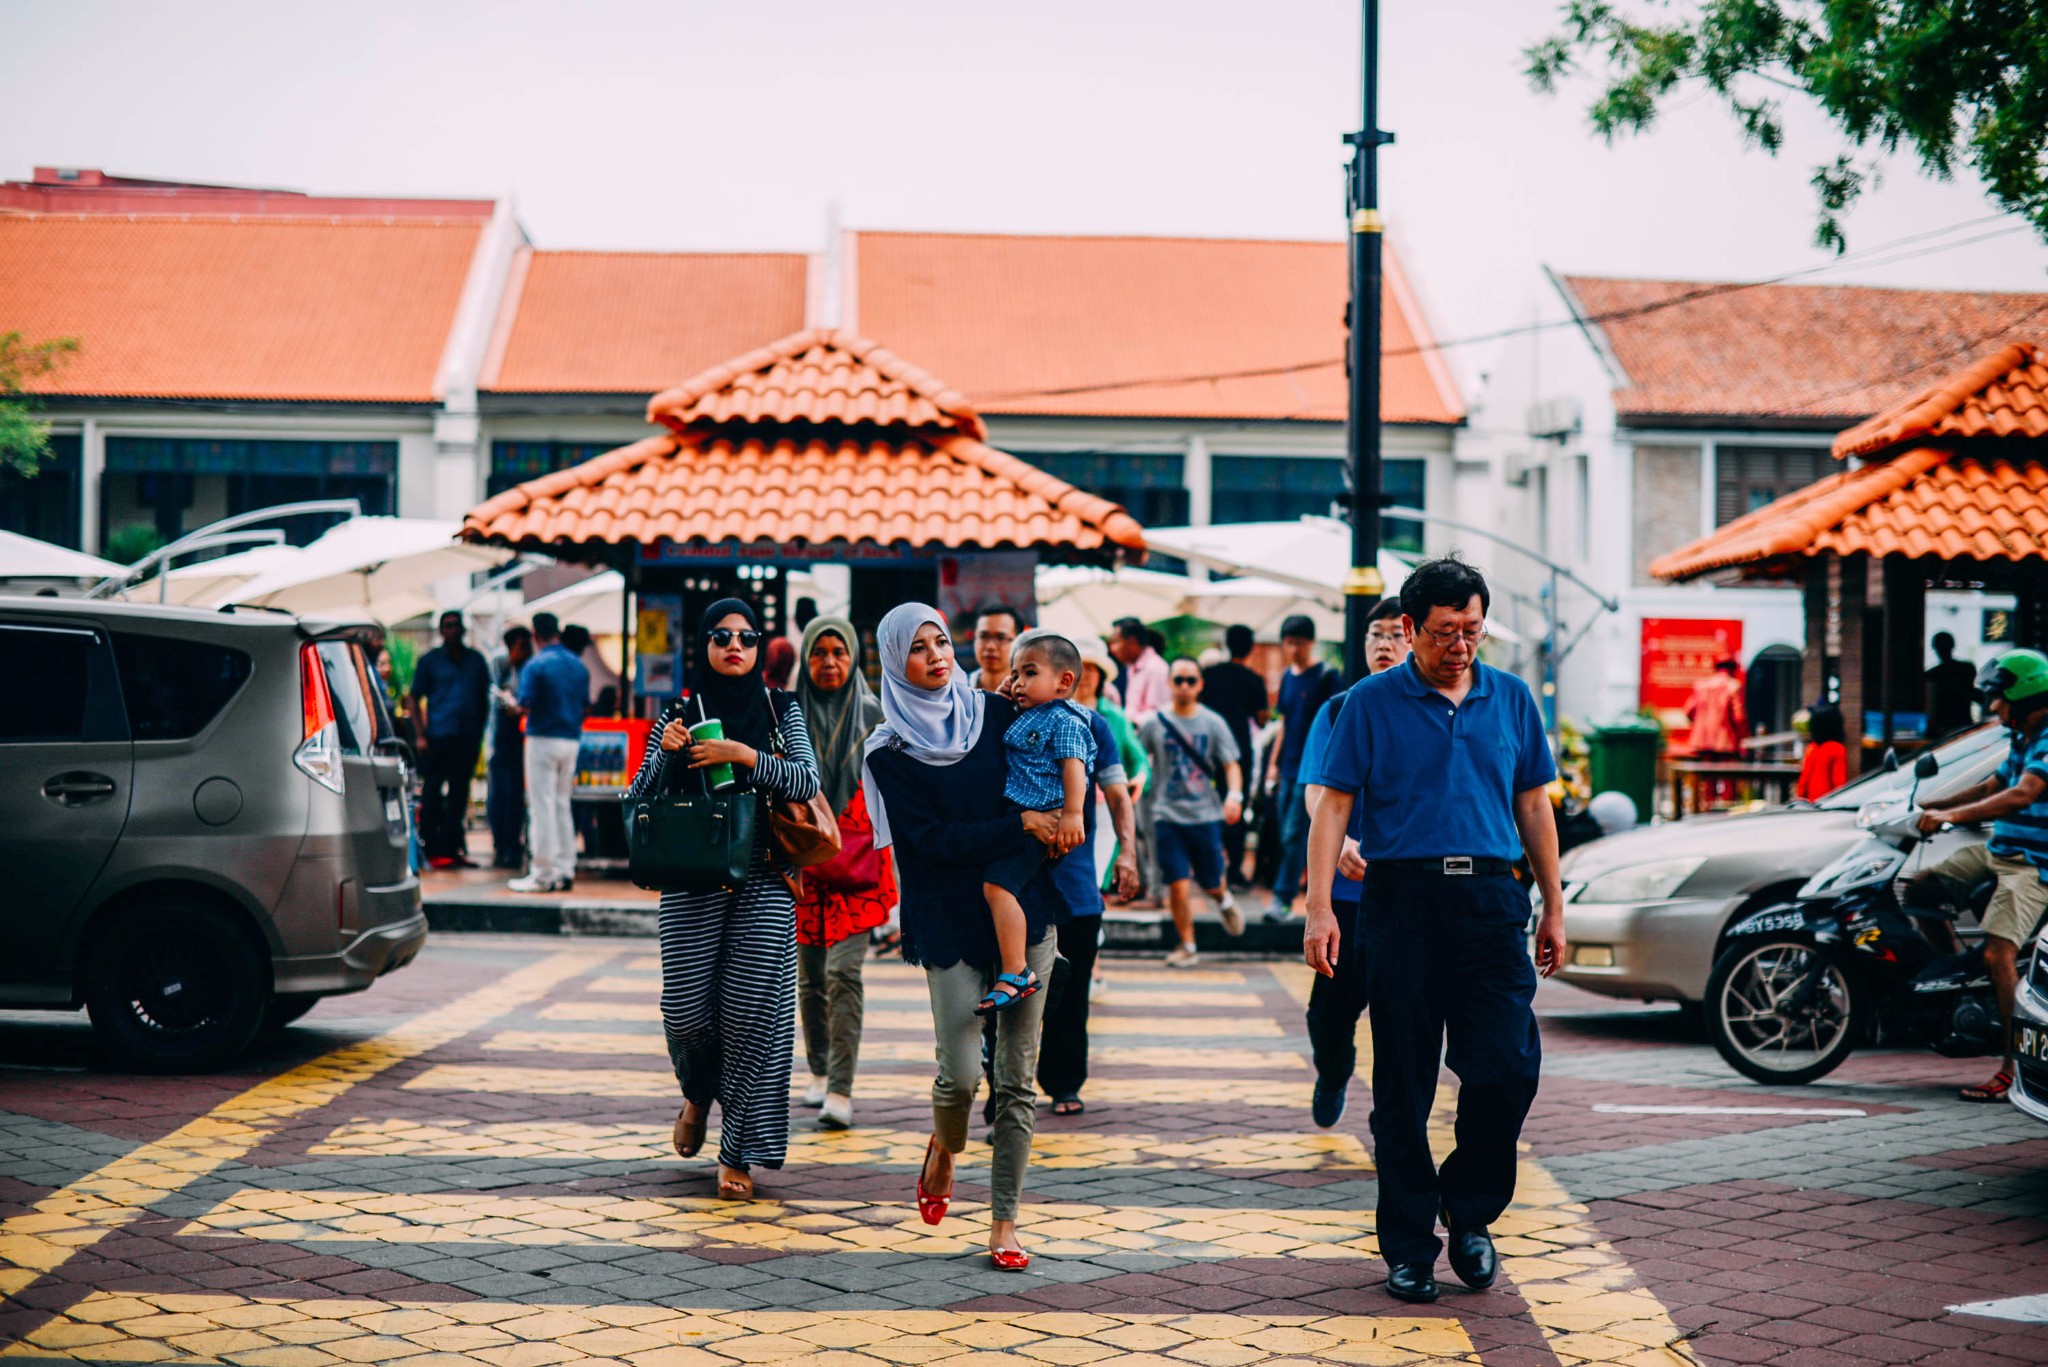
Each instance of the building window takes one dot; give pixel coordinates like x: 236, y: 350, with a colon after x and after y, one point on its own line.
x: 1747, y: 478
x: 174, y: 485
x: 1285, y: 488
x: 45, y: 505
x: 515, y: 462
x: 1151, y: 488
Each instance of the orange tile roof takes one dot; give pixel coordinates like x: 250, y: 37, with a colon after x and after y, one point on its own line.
x: 816, y: 376
x: 1139, y: 326
x: 819, y: 437
x: 1789, y: 351
x: 630, y: 322
x: 2004, y: 394
x: 243, y: 308
x: 1922, y: 502
x: 795, y: 489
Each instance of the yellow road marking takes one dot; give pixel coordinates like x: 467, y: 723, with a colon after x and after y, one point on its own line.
x: 149, y: 1326
x: 915, y: 993
x: 873, y: 1147
x: 79, y: 1215
x: 1059, y: 1229
x: 1174, y: 1027
x: 905, y: 1051
x: 643, y: 1082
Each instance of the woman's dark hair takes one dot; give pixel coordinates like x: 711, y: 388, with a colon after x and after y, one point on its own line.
x: 1238, y: 640
x: 575, y: 639
x: 1446, y: 582
x: 1824, y: 723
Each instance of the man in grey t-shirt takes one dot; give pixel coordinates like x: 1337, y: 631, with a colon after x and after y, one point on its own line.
x: 1197, y: 788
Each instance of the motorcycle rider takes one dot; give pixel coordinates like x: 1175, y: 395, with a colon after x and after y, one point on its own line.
x: 2014, y: 687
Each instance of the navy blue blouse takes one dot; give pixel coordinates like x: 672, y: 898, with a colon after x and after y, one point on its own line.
x: 947, y: 824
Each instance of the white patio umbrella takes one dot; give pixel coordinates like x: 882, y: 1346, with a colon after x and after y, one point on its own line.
x: 383, y: 567
x: 1084, y: 600
x: 1263, y: 605
x: 207, y: 583
x: 24, y: 557
x: 597, y: 604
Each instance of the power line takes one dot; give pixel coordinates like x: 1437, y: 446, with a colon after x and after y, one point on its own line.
x: 1870, y: 256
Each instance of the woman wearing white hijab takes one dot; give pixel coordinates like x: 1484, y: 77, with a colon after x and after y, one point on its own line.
x: 934, y: 780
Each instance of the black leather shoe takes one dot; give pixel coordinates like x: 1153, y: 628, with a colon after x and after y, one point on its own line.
x: 1326, y: 1108
x: 1471, y: 1253
x: 1412, y: 1282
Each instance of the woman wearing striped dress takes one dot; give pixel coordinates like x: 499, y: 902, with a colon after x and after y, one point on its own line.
x: 728, y: 959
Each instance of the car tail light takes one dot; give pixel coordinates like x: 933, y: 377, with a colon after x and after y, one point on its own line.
x: 319, y: 754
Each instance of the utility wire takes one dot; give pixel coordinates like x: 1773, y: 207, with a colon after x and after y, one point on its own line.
x: 1870, y: 256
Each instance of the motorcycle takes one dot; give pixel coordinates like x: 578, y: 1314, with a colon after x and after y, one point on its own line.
x: 1801, y: 985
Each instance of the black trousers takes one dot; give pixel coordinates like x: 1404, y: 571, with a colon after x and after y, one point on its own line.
x: 1234, y: 834
x: 1335, y: 1003
x: 1449, y: 961
x: 505, y: 796
x: 1063, y: 1044
x: 449, y: 764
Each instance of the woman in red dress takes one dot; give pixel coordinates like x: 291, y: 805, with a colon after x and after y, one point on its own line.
x: 846, y: 898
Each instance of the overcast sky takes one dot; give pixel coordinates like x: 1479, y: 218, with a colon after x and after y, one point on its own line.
x: 672, y: 124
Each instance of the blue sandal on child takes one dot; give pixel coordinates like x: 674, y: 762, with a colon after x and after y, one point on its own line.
x: 1010, y: 989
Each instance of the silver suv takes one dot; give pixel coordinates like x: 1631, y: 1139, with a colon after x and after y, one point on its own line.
x: 203, y: 823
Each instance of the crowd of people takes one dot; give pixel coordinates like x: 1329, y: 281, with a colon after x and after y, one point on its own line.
x: 989, y: 810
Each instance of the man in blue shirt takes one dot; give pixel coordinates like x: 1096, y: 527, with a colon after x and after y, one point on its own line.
x: 1445, y: 762
x: 554, y: 689
x: 1336, y: 1002
x: 452, y: 686
x: 1304, y: 688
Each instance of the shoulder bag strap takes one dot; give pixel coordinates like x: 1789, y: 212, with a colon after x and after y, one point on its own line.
x: 1201, y: 760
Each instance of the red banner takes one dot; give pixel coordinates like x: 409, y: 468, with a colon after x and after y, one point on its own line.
x: 1677, y: 653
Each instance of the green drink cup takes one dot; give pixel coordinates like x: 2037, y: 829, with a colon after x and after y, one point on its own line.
x: 719, y: 776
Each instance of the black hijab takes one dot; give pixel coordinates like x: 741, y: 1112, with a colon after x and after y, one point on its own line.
x: 740, y: 702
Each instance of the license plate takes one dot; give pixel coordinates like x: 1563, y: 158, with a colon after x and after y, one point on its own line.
x: 2030, y: 1042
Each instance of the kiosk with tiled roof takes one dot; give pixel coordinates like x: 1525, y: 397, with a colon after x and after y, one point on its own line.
x: 1948, y: 488
x: 822, y: 447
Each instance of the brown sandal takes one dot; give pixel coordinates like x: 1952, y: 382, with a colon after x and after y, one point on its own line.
x: 689, y: 1131
x: 1994, y: 1090
x: 735, y: 1184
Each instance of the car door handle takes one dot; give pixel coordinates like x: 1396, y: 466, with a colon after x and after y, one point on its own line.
x: 76, y: 788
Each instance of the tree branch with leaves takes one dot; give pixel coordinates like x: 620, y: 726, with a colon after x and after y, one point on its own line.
x: 24, y: 439
x: 1958, y: 82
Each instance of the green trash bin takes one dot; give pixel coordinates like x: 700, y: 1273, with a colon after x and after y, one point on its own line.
x: 1622, y: 758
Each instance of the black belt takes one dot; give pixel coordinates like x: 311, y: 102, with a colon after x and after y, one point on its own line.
x: 1450, y: 866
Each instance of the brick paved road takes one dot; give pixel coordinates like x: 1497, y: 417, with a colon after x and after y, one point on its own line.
x: 470, y: 1163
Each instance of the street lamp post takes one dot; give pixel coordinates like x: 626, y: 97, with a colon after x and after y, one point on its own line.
x: 1363, y: 585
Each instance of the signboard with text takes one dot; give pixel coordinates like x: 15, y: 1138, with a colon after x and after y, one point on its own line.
x: 1677, y: 653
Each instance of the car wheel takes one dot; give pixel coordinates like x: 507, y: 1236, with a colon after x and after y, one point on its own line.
x: 1749, y: 980
x: 175, y: 987
x: 283, y: 1010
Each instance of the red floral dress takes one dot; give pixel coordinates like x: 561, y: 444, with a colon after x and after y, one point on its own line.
x: 825, y: 917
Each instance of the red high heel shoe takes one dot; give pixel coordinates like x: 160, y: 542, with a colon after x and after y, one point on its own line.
x: 930, y: 1208
x: 1009, y: 1259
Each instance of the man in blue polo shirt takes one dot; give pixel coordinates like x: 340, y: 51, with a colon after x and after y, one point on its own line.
x: 1445, y: 761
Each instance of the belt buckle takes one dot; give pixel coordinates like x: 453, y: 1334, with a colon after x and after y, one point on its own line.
x: 1458, y: 866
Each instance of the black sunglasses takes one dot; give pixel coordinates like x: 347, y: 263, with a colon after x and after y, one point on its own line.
x: 722, y: 636
x: 1187, y: 678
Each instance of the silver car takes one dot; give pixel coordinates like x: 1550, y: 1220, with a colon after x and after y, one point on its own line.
x: 1645, y: 911
x: 2030, y: 1041
x: 203, y: 823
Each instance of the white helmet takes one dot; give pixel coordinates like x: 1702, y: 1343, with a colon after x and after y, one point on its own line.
x: 1614, y: 812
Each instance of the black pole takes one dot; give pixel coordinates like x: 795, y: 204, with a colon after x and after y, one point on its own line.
x: 1363, y: 585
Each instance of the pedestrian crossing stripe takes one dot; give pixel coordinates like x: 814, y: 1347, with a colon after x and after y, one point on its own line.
x: 916, y: 994
x: 268, y: 1332
x: 895, y: 970
x: 644, y: 1082
x: 653, y: 1045
x: 1057, y: 1229
x: 1285, y: 1152
x: 920, y: 1021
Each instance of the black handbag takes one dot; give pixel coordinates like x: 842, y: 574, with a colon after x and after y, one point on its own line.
x: 690, y: 842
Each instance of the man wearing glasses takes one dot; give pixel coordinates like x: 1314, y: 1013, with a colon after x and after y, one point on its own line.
x: 1336, y: 1002
x: 996, y: 627
x: 1199, y: 788
x: 1446, y: 763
